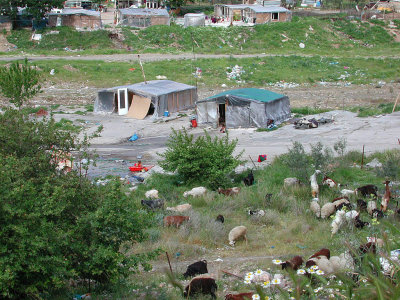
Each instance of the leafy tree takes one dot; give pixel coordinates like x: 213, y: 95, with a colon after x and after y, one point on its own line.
x: 175, y: 3
x: 19, y: 82
x: 204, y: 160
x: 38, y: 8
x: 298, y: 161
x: 58, y: 226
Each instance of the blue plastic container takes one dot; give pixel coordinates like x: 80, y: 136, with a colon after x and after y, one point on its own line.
x: 166, y: 113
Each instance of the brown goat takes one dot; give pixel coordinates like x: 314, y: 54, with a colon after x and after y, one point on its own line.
x: 386, y: 196
x: 229, y: 192
x: 322, y: 252
x: 293, y: 264
x: 175, y: 220
x: 241, y: 296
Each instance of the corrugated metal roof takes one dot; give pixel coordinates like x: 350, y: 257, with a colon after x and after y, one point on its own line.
x: 77, y: 11
x: 249, y: 93
x: 154, y: 87
x: 144, y: 11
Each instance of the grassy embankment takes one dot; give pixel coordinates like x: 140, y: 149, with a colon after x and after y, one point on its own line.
x: 331, y: 37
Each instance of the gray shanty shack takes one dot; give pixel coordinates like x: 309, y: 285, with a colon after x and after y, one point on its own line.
x: 146, y: 98
x: 247, y: 107
x: 74, y: 17
x: 143, y: 17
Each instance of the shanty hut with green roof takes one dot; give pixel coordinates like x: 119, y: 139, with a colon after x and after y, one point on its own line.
x: 249, y: 107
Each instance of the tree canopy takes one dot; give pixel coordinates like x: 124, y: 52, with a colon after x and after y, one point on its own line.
x: 38, y: 8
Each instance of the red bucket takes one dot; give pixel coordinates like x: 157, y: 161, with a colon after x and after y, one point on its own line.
x: 194, y: 123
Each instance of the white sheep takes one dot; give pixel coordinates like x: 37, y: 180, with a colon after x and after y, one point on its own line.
x: 195, y: 192
x: 347, y: 193
x: 338, y: 221
x: 314, y: 184
x: 324, y: 264
x: 327, y: 210
x: 371, y: 206
x: 351, y: 215
x: 152, y: 194
x: 315, y: 207
x: 180, y: 208
x: 340, y: 201
x: 237, y: 233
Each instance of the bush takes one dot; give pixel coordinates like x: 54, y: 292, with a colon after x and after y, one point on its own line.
x: 321, y: 157
x: 205, y: 160
x: 298, y: 162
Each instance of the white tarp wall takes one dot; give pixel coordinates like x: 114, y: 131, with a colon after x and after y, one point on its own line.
x: 194, y: 20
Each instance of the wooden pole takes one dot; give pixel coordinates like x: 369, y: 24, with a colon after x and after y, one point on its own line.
x: 141, y: 66
x: 362, y: 158
x: 253, y: 162
x: 169, y: 263
x: 397, y: 99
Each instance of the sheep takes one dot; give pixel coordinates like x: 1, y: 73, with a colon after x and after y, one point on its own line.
x: 341, y: 198
x: 153, y: 194
x: 338, y: 221
x: 371, y: 205
x: 323, y: 263
x: 195, y: 192
x: 351, y: 215
x: 346, y: 192
x: 344, y: 205
x: 257, y: 213
x: 249, y: 180
x: 180, y: 208
x: 327, y: 210
x: 201, y: 285
x: 314, y: 184
x: 241, y: 296
x: 386, y: 196
x: 175, y: 220
x: 315, y: 207
x: 229, y: 192
x: 367, y: 190
x: 220, y: 218
x: 197, y: 268
x: 153, y: 204
x: 293, y: 264
x: 343, y: 262
x: 237, y: 233
x: 342, y: 202
x: 329, y: 182
x: 358, y: 223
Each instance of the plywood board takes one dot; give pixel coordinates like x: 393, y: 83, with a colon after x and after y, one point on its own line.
x: 139, y: 107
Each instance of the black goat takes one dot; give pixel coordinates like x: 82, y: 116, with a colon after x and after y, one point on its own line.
x: 249, y: 180
x: 367, y: 190
x: 344, y: 204
x: 197, y: 268
x: 360, y: 224
x: 153, y: 204
x: 220, y: 218
x: 201, y: 285
x: 377, y: 214
x: 361, y: 204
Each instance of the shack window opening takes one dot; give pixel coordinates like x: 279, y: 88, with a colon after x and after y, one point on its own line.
x: 275, y: 16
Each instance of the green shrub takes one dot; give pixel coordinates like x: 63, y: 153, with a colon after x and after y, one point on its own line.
x: 204, y: 160
x: 298, y: 162
x: 321, y: 156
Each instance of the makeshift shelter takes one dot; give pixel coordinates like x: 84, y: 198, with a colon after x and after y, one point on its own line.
x: 252, y: 13
x: 78, y: 18
x: 146, y: 98
x: 247, y: 107
x: 192, y: 19
x: 143, y: 17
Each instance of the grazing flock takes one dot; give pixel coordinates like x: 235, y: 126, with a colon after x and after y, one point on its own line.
x: 344, y: 210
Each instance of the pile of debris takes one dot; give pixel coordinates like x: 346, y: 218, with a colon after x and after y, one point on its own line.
x: 235, y: 73
x: 310, y: 123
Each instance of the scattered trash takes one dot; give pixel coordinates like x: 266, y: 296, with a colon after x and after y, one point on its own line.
x: 52, y: 72
x: 161, y: 77
x: 193, y: 121
x: 302, y: 46
x: 166, y: 113
x: 346, y: 68
x: 132, y: 69
x: 262, y: 157
x: 235, y: 73
x: 374, y: 163
x: 310, y: 28
x: 36, y: 37
x: 84, y: 296
x: 301, y: 247
x: 223, y: 85
x: 310, y: 123
x: 198, y: 73
x: 134, y: 138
